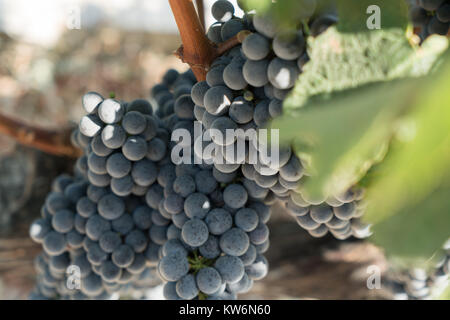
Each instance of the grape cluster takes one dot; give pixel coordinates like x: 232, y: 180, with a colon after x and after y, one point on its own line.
x: 431, y: 16
x: 99, y: 220
x: 420, y: 284
x: 102, y: 235
x: 130, y: 213
x: 217, y: 239
x: 245, y: 89
x: 122, y: 143
x: 213, y: 233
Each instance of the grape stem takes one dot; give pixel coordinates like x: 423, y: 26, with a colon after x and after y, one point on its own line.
x: 197, y: 50
x: 56, y: 142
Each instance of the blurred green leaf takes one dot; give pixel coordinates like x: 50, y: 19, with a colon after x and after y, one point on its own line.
x: 345, y: 132
x: 290, y: 13
x: 416, y: 231
x: 353, y: 14
x: 409, y: 200
x: 446, y: 294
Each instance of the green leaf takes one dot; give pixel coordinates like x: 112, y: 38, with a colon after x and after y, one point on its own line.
x: 343, y: 133
x: 341, y: 125
x: 353, y: 14
x: 446, y: 294
x: 408, y: 201
x: 343, y: 61
x: 416, y: 231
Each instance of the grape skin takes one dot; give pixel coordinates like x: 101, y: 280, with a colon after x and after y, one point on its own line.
x: 256, y: 47
x: 289, y: 45
x: 230, y: 268
x: 241, y: 111
x: 218, y: 221
x: 282, y: 74
x: 235, y: 196
x: 217, y: 100
x: 195, y: 232
x: 234, y: 242
x: 233, y: 76
x: 256, y: 72
x: 222, y: 10
x: 208, y: 280
x: 186, y: 287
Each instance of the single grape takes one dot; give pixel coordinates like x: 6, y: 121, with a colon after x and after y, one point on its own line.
x: 208, y: 280
x: 275, y: 108
x: 156, y: 149
x: 256, y: 46
x: 123, y: 256
x: 174, y: 266
x: 109, y: 241
x: 113, y: 136
x: 63, y: 221
x: 230, y: 268
x: 241, y: 111
x: 144, y: 172
x: 234, y: 242
x: 255, y: 72
x: 214, y: 77
x: 219, y: 221
x: 443, y: 13
x: 111, y: 207
x: 39, y: 229
x: 54, y: 243
x: 431, y: 5
x: 289, y: 45
x: 91, y: 101
x: 233, y: 76
x: 111, y: 111
x: 254, y: 190
x: 258, y: 269
x: 86, y: 207
x: 259, y: 235
x: 184, y: 185
x: 186, y: 287
x: 214, y: 33
x: 222, y: 10
x: 231, y: 28
x: 140, y: 105
x: 265, y: 25
x: 137, y: 240
x: 96, y: 226
x: 246, y: 219
x: 197, y: 205
x: 134, y: 122
x: 210, y: 249
x: 90, y: 125
x: 346, y: 211
x: 205, y: 181
x: 158, y: 234
x: 174, y: 203
x: 437, y: 27
x: 195, y: 232
x: 184, y: 107
x: 110, y: 272
x: 282, y: 74
x: 135, y: 148
x: 217, y: 100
